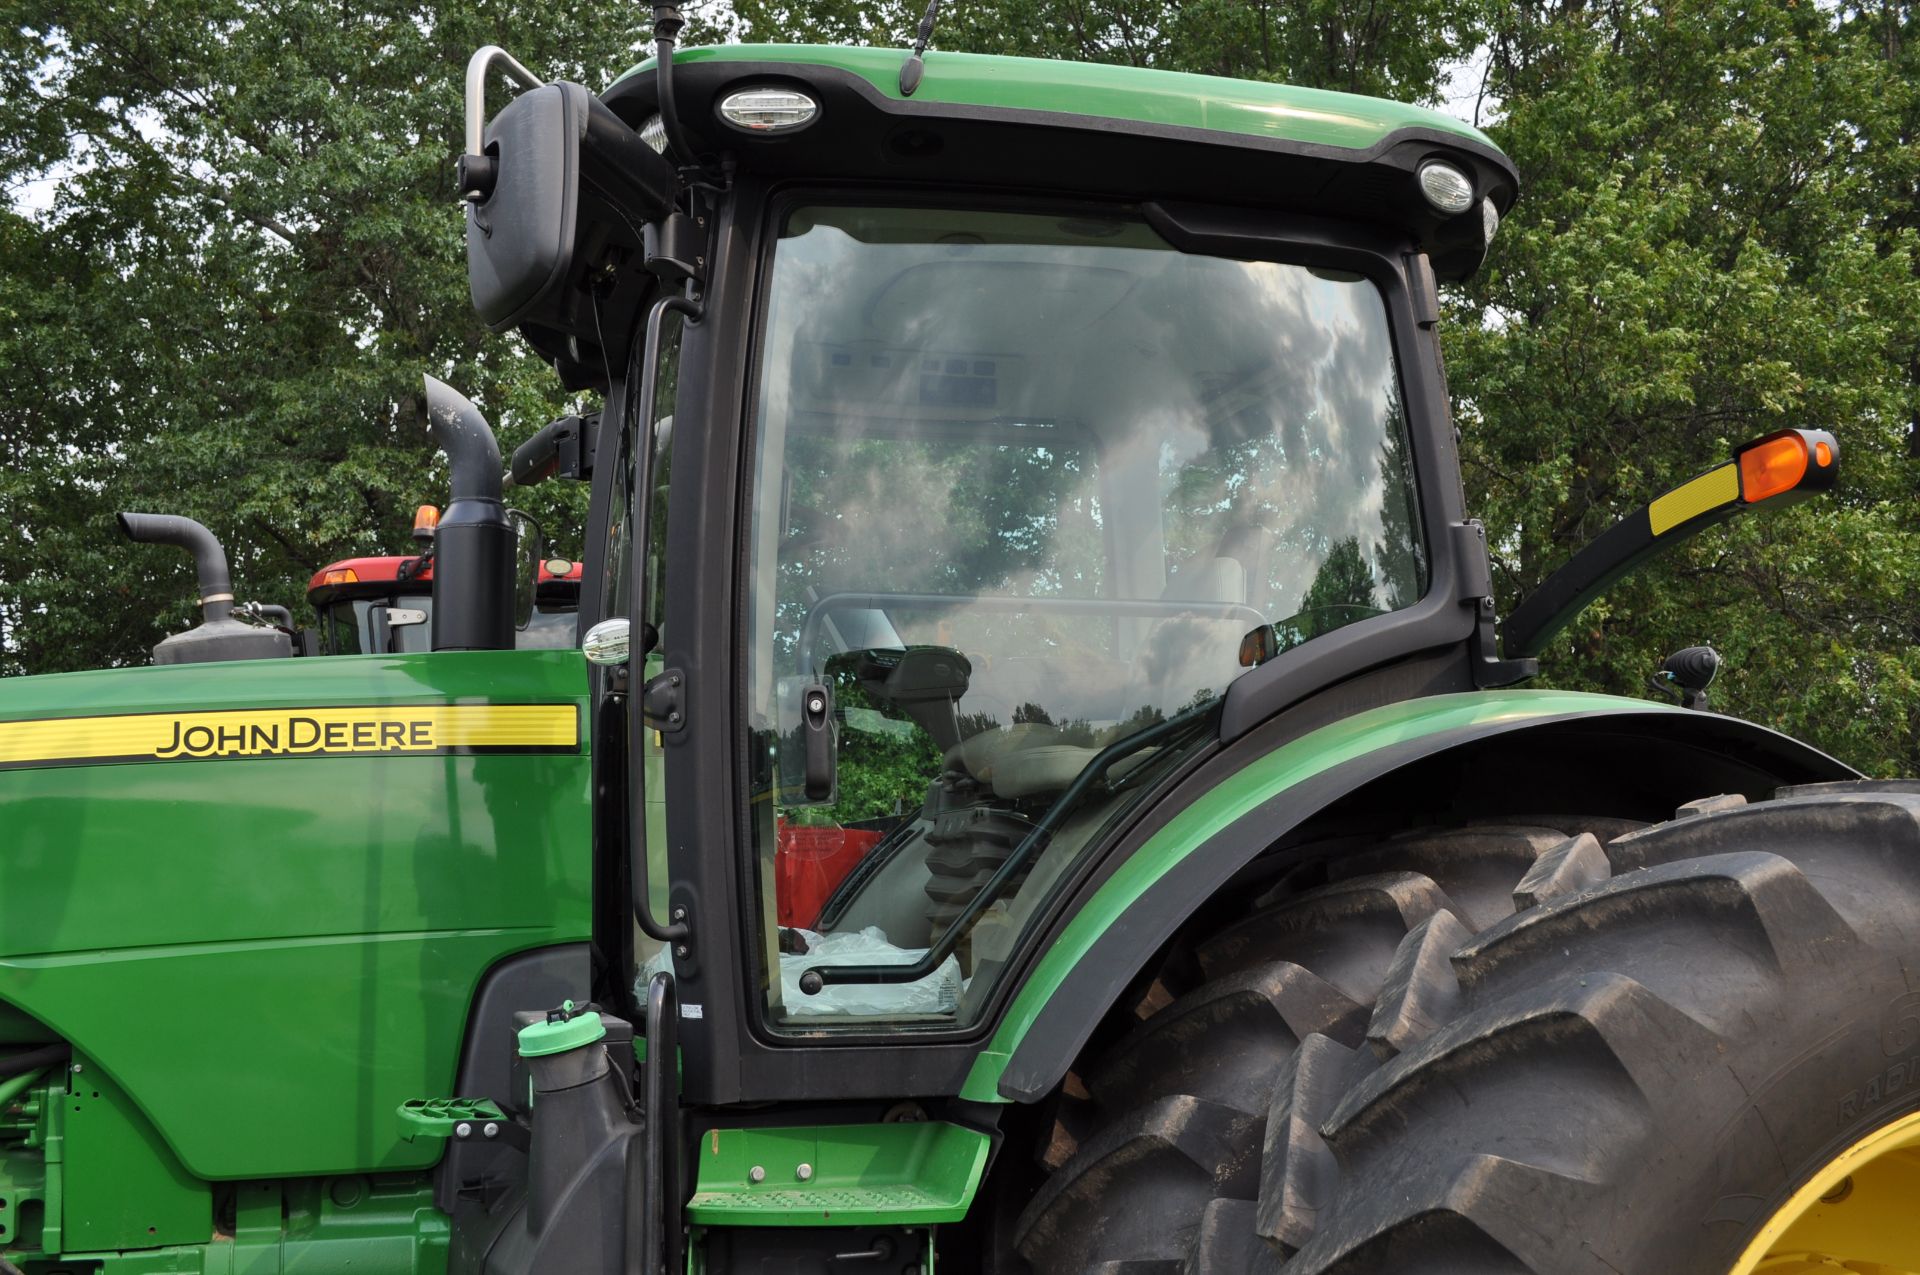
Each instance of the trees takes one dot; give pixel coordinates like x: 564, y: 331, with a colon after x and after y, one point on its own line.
x: 1392, y: 50
x: 247, y: 254
x: 223, y: 307
x: 1717, y: 239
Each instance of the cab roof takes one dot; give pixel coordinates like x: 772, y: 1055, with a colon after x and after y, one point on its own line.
x: 1250, y: 108
x: 1073, y: 130
x: 380, y: 577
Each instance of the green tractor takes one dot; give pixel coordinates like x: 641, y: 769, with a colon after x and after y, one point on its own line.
x: 1044, y: 471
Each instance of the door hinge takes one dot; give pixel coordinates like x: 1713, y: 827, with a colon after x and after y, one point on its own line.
x: 663, y: 702
x: 1489, y: 670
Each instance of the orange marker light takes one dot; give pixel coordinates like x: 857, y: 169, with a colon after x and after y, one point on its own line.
x: 1823, y: 454
x: 1775, y: 466
x: 425, y: 520
x: 341, y: 575
x: 1259, y: 646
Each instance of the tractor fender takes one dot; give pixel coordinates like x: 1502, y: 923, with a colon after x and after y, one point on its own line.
x: 1252, y: 795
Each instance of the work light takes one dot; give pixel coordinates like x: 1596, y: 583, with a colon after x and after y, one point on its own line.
x: 769, y: 109
x: 1447, y: 188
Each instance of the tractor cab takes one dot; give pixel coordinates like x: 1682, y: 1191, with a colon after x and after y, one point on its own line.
x: 1034, y: 485
x: 992, y: 450
x: 384, y: 605
x: 1028, y: 774
x: 971, y: 471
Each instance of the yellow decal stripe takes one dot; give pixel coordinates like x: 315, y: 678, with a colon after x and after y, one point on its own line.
x: 1689, y: 500
x: 293, y: 732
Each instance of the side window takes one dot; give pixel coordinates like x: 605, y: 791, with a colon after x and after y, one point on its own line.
x: 658, y: 430
x: 650, y: 425
x: 342, y: 630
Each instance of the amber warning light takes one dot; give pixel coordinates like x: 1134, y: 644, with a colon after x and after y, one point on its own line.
x: 1783, y: 462
x: 1770, y: 472
x: 426, y: 520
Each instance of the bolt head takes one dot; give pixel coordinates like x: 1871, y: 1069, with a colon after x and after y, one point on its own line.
x: 78, y: 1068
x: 804, y: 1173
x: 490, y: 1129
x: 756, y: 1174
x: 463, y: 1130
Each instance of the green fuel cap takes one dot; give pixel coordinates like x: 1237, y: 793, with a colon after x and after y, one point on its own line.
x: 564, y: 1029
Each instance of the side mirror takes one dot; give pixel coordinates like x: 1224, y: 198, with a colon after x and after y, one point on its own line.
x: 529, y: 550
x: 606, y: 642
x: 527, y: 220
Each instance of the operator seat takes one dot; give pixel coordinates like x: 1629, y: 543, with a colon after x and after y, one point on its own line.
x: 1181, y: 654
x: 1026, y: 759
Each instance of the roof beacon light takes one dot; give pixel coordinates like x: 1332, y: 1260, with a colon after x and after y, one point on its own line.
x: 426, y: 521
x: 769, y: 109
x: 1447, y: 188
x: 654, y: 134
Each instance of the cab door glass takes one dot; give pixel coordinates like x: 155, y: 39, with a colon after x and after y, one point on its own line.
x: 1024, y: 485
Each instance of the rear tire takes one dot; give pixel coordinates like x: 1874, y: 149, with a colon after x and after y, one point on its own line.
x: 1622, y: 1065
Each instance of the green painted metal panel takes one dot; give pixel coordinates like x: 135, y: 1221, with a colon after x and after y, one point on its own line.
x: 313, y: 1226
x: 1258, y: 782
x: 270, y: 954
x: 122, y: 1187
x: 1277, y: 112
x: 857, y: 1175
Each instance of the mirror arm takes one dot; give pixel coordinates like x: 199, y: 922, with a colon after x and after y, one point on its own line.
x: 666, y: 30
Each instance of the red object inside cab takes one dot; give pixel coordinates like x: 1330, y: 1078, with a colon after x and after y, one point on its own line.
x: 809, y: 864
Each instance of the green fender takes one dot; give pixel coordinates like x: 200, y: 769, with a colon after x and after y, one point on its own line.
x: 1166, y: 877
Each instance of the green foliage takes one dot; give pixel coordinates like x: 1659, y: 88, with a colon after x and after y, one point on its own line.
x: 1717, y: 240
x: 251, y: 253
x: 1394, y: 50
x: 241, y: 253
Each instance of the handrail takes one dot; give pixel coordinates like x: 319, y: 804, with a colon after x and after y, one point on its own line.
x: 819, y: 976
x: 652, y: 1235
x: 477, y: 67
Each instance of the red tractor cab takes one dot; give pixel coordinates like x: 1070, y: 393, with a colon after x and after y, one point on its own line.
x: 385, y: 605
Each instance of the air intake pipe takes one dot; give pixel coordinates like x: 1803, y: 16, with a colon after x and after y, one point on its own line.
x: 218, y: 636
x: 473, y: 550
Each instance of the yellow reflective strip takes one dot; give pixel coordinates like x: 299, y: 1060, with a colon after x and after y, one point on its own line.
x: 1689, y: 500
x: 292, y: 732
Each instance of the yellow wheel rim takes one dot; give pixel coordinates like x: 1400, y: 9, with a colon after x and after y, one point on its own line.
x: 1859, y: 1214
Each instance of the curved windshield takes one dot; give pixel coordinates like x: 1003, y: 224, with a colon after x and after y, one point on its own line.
x: 1026, y: 486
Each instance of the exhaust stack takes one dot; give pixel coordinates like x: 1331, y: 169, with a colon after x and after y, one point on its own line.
x: 218, y: 636
x: 474, y: 546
